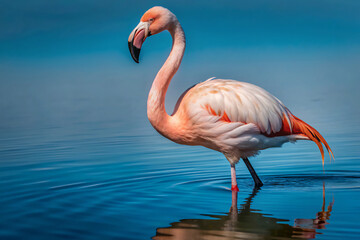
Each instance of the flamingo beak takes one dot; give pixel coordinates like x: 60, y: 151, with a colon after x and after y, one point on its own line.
x: 137, y: 38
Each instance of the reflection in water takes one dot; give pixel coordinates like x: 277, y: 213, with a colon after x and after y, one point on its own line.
x: 309, y: 226
x: 245, y: 223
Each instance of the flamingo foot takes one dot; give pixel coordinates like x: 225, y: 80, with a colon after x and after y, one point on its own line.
x: 234, y: 188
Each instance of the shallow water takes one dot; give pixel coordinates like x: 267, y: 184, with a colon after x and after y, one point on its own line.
x: 83, y: 179
x: 79, y: 160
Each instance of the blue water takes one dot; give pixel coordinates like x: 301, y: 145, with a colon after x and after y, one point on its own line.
x: 83, y: 171
x: 79, y: 159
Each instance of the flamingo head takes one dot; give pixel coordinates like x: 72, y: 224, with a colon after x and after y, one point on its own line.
x: 154, y: 20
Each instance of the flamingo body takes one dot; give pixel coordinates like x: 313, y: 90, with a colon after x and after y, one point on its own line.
x: 235, y: 118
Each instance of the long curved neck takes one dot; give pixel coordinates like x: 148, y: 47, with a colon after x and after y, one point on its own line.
x: 157, y: 115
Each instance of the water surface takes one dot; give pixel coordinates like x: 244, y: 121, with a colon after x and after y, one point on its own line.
x: 79, y: 159
x: 91, y: 182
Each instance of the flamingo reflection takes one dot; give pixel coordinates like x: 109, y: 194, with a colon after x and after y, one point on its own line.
x: 245, y: 223
x: 309, y: 226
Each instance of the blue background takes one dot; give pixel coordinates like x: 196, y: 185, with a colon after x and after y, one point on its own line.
x: 79, y: 159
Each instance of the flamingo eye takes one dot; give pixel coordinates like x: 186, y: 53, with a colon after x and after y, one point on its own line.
x: 151, y: 20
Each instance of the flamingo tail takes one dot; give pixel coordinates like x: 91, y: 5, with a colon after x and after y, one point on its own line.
x: 301, y: 127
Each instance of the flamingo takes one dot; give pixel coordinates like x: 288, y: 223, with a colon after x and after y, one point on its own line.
x: 235, y: 118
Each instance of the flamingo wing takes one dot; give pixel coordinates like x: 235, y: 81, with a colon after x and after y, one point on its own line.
x: 234, y: 101
x: 225, y: 105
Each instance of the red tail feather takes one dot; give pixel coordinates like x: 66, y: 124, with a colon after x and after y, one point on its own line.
x: 301, y: 127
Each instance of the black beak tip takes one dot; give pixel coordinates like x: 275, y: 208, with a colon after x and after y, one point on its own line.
x: 134, y: 51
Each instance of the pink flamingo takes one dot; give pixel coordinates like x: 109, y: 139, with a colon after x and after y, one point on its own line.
x: 235, y: 118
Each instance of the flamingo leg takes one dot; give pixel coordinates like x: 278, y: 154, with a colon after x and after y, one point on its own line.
x: 256, y: 178
x: 234, y: 186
